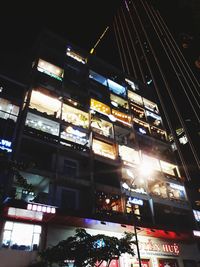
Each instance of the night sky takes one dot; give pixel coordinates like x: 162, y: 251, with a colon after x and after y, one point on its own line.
x: 80, y: 22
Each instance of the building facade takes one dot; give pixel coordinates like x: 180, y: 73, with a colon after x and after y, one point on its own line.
x: 149, y: 52
x: 98, y: 157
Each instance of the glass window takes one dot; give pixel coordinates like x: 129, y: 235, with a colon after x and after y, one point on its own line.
x: 8, y: 110
x: 75, y: 56
x: 154, y: 119
x: 42, y: 124
x: 150, y: 162
x: 169, y: 168
x: 138, y: 112
x: 158, y: 188
x: 44, y: 102
x: 141, y: 126
x: 118, y: 102
x: 132, y: 180
x: 129, y: 154
x: 74, y: 135
x: 122, y: 117
x: 99, y: 106
x: 176, y: 191
x: 70, y: 168
x: 50, y: 69
x: 116, y: 88
x: 133, y: 85
x: 75, y: 116
x: 102, y: 127
x: 158, y: 133
x: 135, y: 98
x: 108, y: 202
x: 104, y: 149
x: 97, y: 77
x: 21, y: 236
x: 150, y: 105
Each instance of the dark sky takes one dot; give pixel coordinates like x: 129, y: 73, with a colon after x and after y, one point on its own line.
x: 80, y: 22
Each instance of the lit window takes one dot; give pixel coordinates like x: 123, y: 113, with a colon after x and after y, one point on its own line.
x: 132, y: 84
x: 74, y: 135
x: 104, y: 149
x: 42, y: 124
x: 169, y: 168
x: 75, y: 56
x: 129, y: 154
x: 122, y: 117
x: 45, y: 103
x: 102, y: 127
x: 150, y: 105
x: 116, y: 88
x: 50, y: 69
x: 135, y: 98
x: 100, y: 107
x: 75, y: 116
x: 21, y: 236
x: 8, y: 110
x: 97, y: 77
x: 118, y: 102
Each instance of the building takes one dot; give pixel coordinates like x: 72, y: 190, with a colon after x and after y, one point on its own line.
x: 149, y: 52
x: 101, y: 160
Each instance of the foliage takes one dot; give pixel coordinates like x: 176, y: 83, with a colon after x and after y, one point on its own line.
x: 13, y: 168
x: 89, y: 250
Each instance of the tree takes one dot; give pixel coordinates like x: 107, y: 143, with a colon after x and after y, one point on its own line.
x: 12, y: 168
x: 88, y: 250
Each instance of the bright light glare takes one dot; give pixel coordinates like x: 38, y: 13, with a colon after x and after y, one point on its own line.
x: 145, y: 169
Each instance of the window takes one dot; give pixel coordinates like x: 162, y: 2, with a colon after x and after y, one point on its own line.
x: 44, y: 102
x: 102, y: 127
x: 154, y: 119
x: 150, y: 105
x: 122, y: 117
x: 116, y: 88
x: 140, y: 126
x: 135, y: 98
x: 42, y: 124
x: 75, y: 116
x: 21, y: 236
x: 138, y: 112
x: 74, y: 135
x: 97, y: 77
x: 50, y: 69
x: 8, y: 110
x: 176, y: 191
x: 99, y: 107
x: 118, y: 102
x: 129, y: 154
x: 75, y: 55
x: 70, y: 168
x: 169, y: 168
x: 104, y: 149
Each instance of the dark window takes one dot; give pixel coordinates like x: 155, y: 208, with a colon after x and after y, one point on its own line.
x: 70, y: 168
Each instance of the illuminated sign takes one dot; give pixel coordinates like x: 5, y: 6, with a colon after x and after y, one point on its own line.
x: 142, y: 131
x: 5, y: 145
x: 177, y: 186
x: 155, y: 247
x: 136, y: 201
x: 41, y: 208
x: 196, y: 233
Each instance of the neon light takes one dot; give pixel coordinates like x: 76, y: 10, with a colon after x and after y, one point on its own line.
x: 134, y: 200
x: 168, y: 248
x: 5, y: 145
x: 41, y: 208
x: 196, y: 233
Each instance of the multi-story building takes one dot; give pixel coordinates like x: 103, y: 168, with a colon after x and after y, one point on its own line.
x: 149, y: 52
x: 101, y: 161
